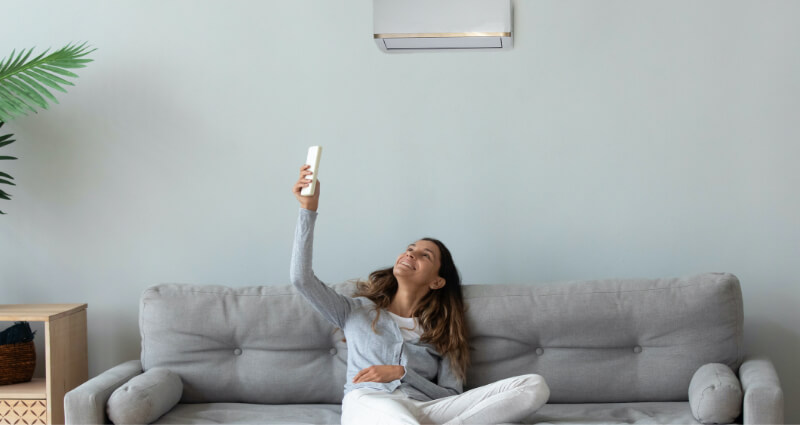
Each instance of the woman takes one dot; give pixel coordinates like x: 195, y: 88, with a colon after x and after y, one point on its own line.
x: 407, y: 338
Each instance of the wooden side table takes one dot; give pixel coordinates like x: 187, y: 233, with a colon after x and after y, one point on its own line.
x: 66, y: 363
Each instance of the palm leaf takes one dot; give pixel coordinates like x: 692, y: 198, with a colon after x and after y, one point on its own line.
x: 25, y: 84
x: 5, y: 178
x: 4, y: 139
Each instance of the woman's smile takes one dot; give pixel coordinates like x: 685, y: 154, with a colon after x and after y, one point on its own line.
x: 406, y: 263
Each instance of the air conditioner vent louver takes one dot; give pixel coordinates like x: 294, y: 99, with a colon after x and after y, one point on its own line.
x: 413, y: 25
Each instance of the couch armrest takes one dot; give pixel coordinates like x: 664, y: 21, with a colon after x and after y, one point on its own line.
x: 763, y: 396
x: 86, y: 404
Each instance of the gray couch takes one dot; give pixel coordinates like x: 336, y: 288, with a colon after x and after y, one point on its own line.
x: 611, y: 351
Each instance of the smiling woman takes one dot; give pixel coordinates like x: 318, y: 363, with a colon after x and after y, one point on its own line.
x: 409, y: 364
x: 425, y: 284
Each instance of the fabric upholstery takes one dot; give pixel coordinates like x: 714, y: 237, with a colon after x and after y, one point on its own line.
x: 249, y: 344
x: 715, y: 395
x: 613, y: 340
x: 605, y: 341
x: 566, y: 414
x: 86, y: 404
x: 233, y: 413
x: 145, y: 398
x: 614, y: 413
x: 763, y: 396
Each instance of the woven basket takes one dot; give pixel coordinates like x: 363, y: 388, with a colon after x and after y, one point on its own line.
x: 17, y: 362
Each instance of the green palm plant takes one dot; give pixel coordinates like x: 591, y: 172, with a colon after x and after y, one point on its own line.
x: 23, y: 86
x: 5, y: 178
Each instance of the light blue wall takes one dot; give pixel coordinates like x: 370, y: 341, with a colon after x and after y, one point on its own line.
x: 617, y: 139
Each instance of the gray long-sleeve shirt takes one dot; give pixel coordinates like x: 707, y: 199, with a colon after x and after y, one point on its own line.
x: 428, y: 375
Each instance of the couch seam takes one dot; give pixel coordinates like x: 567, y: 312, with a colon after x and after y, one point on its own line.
x: 581, y: 293
x: 466, y: 297
x: 740, y: 325
x: 141, y: 322
x: 717, y: 385
x: 235, y: 294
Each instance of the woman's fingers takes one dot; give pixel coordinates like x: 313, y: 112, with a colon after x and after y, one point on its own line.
x: 302, y: 182
x: 304, y: 171
x: 370, y: 374
x: 299, y: 185
x: 360, y: 376
x: 308, y: 202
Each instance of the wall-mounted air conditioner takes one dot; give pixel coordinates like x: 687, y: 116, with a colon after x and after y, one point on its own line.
x: 412, y: 25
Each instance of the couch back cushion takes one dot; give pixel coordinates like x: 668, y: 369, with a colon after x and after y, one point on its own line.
x: 616, y: 340
x: 262, y: 344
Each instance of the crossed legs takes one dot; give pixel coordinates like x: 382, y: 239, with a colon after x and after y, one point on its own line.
x: 508, y: 400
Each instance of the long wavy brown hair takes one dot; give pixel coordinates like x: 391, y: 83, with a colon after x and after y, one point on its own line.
x: 441, y: 313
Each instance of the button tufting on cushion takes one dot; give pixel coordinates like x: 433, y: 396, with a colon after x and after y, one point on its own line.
x: 237, y: 352
x: 539, y: 351
x: 637, y: 349
x: 332, y: 351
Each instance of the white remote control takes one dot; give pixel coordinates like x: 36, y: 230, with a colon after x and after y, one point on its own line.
x: 314, y: 153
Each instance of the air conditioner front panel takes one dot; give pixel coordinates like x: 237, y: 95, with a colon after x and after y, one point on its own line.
x: 442, y: 24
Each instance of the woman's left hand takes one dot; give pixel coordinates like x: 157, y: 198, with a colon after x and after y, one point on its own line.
x: 380, y: 373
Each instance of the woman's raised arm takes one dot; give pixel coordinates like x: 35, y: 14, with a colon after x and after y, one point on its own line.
x: 334, y: 306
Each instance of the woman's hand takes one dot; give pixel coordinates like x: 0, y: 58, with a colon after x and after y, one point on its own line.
x: 307, y: 202
x: 381, y: 373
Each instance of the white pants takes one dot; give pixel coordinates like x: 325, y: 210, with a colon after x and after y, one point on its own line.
x: 509, y: 400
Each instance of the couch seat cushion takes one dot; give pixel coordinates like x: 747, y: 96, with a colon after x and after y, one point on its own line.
x: 595, y: 413
x: 614, y: 413
x: 241, y: 413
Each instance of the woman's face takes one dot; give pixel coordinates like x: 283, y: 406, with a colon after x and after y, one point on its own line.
x: 419, y: 264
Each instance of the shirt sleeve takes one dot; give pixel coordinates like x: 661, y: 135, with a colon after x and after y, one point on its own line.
x: 447, y: 383
x: 334, y: 306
